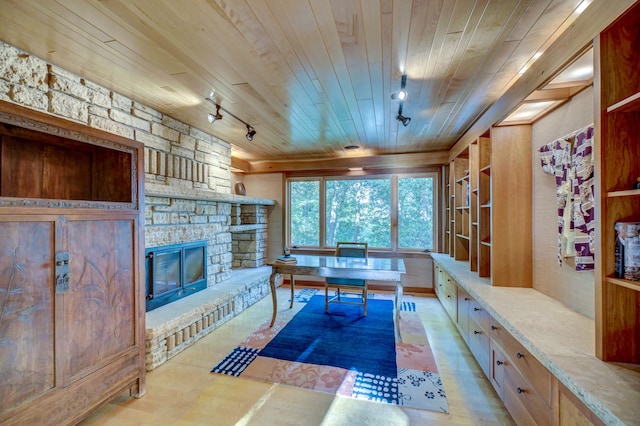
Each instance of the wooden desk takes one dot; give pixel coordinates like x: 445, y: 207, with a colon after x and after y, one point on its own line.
x: 369, y: 268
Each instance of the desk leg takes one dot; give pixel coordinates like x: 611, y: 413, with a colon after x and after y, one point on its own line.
x: 293, y: 285
x: 399, y: 291
x: 272, y: 283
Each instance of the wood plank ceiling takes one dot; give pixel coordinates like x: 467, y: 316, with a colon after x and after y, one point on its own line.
x: 311, y: 76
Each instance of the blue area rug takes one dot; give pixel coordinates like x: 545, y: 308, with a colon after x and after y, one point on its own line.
x: 344, y: 353
x: 344, y: 338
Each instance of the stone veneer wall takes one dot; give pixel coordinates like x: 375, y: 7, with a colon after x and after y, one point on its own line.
x: 249, y: 235
x: 176, y: 154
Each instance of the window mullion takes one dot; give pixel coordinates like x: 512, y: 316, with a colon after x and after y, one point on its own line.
x: 394, y: 213
x: 323, y: 209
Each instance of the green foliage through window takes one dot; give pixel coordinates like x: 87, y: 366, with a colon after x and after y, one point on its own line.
x: 363, y: 209
x: 305, y: 213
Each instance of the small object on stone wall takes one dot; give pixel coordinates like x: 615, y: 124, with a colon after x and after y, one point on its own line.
x: 240, y: 189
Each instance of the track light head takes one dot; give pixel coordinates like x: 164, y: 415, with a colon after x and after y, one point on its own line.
x: 401, y: 95
x: 404, y: 120
x: 251, y: 132
x: 213, y: 117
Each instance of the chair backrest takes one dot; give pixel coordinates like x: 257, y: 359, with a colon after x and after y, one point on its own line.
x: 351, y: 249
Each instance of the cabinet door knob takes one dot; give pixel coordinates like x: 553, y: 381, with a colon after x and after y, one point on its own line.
x: 477, y: 332
x: 466, y: 298
x: 498, y: 362
x: 519, y: 355
x: 493, y: 327
x: 477, y: 309
x: 520, y: 390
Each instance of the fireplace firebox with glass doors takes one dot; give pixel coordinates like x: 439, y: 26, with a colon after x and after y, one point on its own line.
x: 174, y: 272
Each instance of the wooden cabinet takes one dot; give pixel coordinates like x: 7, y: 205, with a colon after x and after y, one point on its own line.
x: 617, y: 168
x: 72, y: 323
x: 523, y: 383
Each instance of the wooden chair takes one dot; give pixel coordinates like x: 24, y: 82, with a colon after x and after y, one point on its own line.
x: 347, y: 249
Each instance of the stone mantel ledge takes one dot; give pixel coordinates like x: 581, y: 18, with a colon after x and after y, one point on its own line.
x: 561, y: 339
x: 156, y: 190
x: 248, y: 227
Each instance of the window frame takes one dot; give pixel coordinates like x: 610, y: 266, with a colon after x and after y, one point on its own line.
x: 394, y: 178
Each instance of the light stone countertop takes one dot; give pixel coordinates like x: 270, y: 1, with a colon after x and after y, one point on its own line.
x: 561, y: 339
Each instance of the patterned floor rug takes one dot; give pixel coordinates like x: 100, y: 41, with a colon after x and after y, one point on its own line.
x: 344, y: 353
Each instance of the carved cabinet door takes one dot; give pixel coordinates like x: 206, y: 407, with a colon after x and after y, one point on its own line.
x: 99, y: 306
x: 27, y: 300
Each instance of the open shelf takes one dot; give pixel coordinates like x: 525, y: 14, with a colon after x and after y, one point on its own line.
x: 632, y: 103
x: 633, y: 285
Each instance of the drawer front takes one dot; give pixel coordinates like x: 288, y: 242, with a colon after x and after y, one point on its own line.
x: 521, y: 401
x: 497, y: 367
x: 449, y: 300
x: 479, y: 345
x: 537, y: 375
x: 479, y: 315
x: 463, y: 313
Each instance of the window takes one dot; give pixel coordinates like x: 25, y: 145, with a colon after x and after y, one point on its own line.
x: 304, y: 211
x: 394, y: 212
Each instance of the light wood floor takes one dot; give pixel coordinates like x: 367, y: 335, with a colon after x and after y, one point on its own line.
x: 184, y: 392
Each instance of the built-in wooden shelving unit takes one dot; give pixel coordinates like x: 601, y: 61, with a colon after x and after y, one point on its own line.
x: 617, y: 299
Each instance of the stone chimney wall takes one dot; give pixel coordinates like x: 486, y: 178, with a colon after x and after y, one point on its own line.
x: 178, y: 157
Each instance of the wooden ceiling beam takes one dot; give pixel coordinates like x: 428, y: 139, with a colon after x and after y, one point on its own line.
x: 389, y: 161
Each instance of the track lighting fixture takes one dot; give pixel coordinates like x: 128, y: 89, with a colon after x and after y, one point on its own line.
x: 402, y: 95
x: 251, y: 132
x: 404, y: 120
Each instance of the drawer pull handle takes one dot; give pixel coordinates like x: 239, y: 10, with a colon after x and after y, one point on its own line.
x: 520, y: 390
x: 498, y: 362
x: 519, y: 355
x: 493, y: 327
x: 477, y: 332
x: 477, y: 309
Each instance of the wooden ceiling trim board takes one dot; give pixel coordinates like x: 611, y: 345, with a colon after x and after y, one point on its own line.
x: 70, y: 48
x: 372, y: 24
x: 125, y: 33
x: 400, y: 25
x: 341, y: 86
x: 379, y: 161
x: 567, y: 46
x: 483, y: 57
x: 302, y: 23
x: 427, y: 93
x: 291, y: 62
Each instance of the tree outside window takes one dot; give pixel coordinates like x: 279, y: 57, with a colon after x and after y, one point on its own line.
x: 363, y: 209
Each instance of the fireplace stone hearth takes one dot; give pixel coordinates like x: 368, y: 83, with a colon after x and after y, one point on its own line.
x: 172, y: 328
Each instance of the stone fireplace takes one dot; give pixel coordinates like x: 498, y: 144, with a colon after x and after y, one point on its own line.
x: 234, y: 231
x: 187, y: 195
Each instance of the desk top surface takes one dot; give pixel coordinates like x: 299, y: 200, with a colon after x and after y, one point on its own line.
x: 338, y: 263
